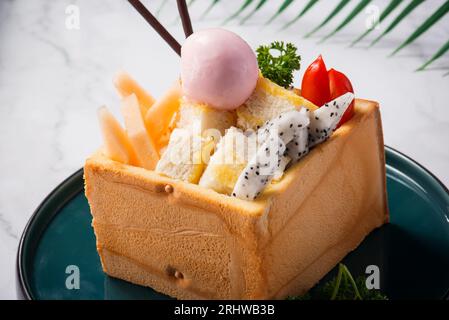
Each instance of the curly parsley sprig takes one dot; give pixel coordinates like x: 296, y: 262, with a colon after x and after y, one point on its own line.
x: 278, y: 61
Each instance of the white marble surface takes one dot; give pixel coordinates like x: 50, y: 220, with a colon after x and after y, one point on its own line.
x: 53, y: 79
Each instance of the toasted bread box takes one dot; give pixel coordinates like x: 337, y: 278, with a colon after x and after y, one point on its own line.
x: 193, y: 243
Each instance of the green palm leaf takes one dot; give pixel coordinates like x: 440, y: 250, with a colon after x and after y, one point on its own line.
x: 209, y: 8
x: 437, y: 55
x: 281, y: 9
x: 437, y: 15
x: 334, y: 12
x: 362, y: 4
x: 308, y: 6
x: 407, y: 10
x: 249, y: 15
x: 389, y: 9
x: 235, y: 14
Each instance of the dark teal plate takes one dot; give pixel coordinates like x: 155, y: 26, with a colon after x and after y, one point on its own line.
x: 412, y: 251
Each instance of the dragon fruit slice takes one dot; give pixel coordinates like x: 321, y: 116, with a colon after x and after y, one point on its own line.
x: 279, y: 172
x: 298, y: 147
x: 286, y: 125
x: 324, y: 120
x: 260, y: 169
x: 287, y: 128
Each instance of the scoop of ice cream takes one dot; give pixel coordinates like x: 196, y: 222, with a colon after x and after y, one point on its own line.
x: 218, y: 68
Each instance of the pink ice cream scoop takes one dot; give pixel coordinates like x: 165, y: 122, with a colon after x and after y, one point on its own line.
x: 218, y: 68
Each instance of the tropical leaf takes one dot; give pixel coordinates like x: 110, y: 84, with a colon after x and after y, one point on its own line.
x: 437, y: 15
x: 407, y: 10
x: 281, y: 9
x: 240, y: 10
x: 436, y: 56
x: 362, y: 4
x: 209, y: 8
x: 389, y: 9
x: 308, y: 6
x: 249, y: 15
x: 331, y: 15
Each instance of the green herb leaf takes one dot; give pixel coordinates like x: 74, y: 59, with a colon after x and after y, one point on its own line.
x: 278, y: 61
x: 343, y: 287
x: 331, y: 15
x: 240, y: 10
x: 249, y: 15
x: 283, y: 6
x: 308, y: 6
x: 404, y: 13
x: 389, y: 9
x: 437, y: 15
x: 358, y: 9
x: 437, y: 55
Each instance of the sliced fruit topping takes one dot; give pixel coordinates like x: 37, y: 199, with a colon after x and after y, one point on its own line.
x: 339, y: 85
x: 144, y: 147
x: 315, y: 83
x: 160, y: 115
x: 117, y: 146
x: 321, y: 86
x: 126, y: 86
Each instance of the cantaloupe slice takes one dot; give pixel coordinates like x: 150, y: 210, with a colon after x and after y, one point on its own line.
x: 160, y: 115
x: 117, y: 146
x: 137, y: 133
x: 126, y: 86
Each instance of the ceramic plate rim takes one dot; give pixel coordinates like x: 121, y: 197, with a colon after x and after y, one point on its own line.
x: 23, y: 285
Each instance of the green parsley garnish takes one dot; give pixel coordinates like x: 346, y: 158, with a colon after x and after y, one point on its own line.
x: 278, y: 61
x: 343, y: 287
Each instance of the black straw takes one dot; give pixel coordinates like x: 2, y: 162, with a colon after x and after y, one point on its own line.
x: 185, y: 17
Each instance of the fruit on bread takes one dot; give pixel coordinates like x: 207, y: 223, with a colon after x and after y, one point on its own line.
x: 230, y: 158
x: 159, y: 117
x: 339, y: 85
x: 117, y: 145
x: 204, y: 117
x: 321, y: 86
x: 185, y: 157
x: 324, y: 120
x: 273, y: 137
x: 126, y: 86
x: 136, y: 130
x: 193, y: 243
x: 268, y: 101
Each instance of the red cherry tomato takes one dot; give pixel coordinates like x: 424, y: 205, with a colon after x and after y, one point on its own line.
x: 315, y: 83
x: 339, y: 84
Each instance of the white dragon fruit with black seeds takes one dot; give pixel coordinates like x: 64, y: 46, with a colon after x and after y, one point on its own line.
x: 284, y: 140
x: 298, y: 146
x: 285, y: 125
x: 260, y: 169
x: 325, y: 119
x: 274, y: 134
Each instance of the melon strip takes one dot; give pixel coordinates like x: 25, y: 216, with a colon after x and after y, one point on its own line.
x: 117, y: 146
x: 126, y: 86
x: 137, y: 133
x: 160, y: 115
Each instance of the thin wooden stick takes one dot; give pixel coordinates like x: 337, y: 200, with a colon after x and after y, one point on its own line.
x: 157, y: 26
x: 185, y: 17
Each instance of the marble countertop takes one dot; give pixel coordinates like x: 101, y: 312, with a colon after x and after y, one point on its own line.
x: 53, y: 79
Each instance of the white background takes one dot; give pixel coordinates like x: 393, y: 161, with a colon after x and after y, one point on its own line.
x: 52, y: 80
